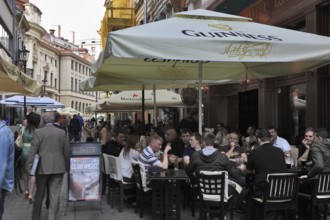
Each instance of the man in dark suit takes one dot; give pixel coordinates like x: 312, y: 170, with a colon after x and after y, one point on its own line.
x: 264, y: 160
x: 53, y: 147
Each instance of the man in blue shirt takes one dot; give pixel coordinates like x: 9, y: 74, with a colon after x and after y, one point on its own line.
x: 7, y: 157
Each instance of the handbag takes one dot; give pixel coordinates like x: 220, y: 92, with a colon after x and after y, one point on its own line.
x: 19, y: 139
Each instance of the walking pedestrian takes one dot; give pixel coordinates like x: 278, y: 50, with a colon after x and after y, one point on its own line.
x: 7, y: 157
x: 53, y: 148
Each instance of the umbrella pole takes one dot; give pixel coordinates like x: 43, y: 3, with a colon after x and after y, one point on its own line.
x: 25, y: 110
x: 155, y: 109
x: 200, y: 68
x: 143, y: 108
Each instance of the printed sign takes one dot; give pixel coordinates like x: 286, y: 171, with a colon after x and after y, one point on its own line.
x: 84, y: 178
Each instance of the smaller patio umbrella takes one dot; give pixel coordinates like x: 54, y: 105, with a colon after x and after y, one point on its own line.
x: 131, y: 100
x: 34, y: 102
x: 69, y: 111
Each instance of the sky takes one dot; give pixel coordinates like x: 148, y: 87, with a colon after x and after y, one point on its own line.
x: 80, y: 16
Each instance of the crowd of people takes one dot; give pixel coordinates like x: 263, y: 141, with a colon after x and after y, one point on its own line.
x: 260, y: 152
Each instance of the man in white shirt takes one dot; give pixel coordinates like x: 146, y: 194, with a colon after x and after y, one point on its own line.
x: 281, y: 143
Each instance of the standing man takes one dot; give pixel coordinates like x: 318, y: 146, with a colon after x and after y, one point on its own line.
x: 7, y: 157
x: 53, y: 148
x: 75, y: 128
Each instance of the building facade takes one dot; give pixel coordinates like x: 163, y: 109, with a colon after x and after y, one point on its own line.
x: 57, y: 64
x: 290, y: 103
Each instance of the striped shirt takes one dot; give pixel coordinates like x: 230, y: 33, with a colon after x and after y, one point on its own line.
x: 148, y: 158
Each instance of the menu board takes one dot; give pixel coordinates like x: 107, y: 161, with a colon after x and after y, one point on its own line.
x: 84, y: 181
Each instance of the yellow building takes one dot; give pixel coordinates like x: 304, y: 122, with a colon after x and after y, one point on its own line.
x: 119, y: 14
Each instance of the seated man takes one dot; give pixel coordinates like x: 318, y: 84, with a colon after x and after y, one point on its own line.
x: 281, y: 143
x: 233, y: 150
x: 195, y: 145
x: 148, y: 157
x: 320, y: 153
x: 264, y: 160
x: 113, y: 147
x: 210, y: 159
x: 177, y: 145
x: 321, y: 163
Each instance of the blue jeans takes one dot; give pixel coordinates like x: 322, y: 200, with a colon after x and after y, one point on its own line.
x: 3, y: 193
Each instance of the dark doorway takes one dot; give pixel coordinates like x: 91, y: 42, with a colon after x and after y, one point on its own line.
x: 247, y: 110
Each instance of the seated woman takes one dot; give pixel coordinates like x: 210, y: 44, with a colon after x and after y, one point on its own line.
x: 127, y: 154
x: 249, y: 141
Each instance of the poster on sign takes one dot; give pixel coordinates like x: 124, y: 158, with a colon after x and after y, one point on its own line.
x: 84, y: 178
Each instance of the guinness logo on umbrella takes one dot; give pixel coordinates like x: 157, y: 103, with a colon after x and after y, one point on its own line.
x: 221, y: 27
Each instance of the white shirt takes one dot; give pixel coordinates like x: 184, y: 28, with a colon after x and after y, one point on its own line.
x: 126, y: 165
x: 282, y: 144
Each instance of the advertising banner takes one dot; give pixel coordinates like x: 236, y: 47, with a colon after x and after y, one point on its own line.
x: 84, y: 178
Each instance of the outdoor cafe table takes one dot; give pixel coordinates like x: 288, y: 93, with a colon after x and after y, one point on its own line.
x: 166, y: 193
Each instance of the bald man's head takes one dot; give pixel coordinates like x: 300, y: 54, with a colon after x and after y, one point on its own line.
x: 170, y: 135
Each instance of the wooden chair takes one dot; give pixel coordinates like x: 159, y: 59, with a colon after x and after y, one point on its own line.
x: 320, y: 194
x: 106, y: 176
x: 280, y: 194
x: 213, y: 192
x: 141, y: 184
x: 116, y: 175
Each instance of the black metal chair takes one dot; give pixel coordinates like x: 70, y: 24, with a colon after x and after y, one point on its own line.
x: 142, y: 189
x: 190, y: 193
x: 213, y: 193
x: 280, y: 194
x: 320, y: 194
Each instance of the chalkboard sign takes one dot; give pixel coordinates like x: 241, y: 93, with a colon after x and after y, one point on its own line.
x: 84, y: 175
x: 85, y: 149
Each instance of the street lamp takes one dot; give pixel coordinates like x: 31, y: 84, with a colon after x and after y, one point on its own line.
x: 44, y: 81
x: 23, y: 56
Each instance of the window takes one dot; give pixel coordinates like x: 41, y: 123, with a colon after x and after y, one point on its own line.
x: 45, y: 57
x: 76, y: 66
x: 55, y: 63
x: 51, y: 79
x: 55, y: 82
x: 75, y: 85
x: 292, y: 112
x: 72, y: 64
x: 71, y: 83
x: 4, y: 37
